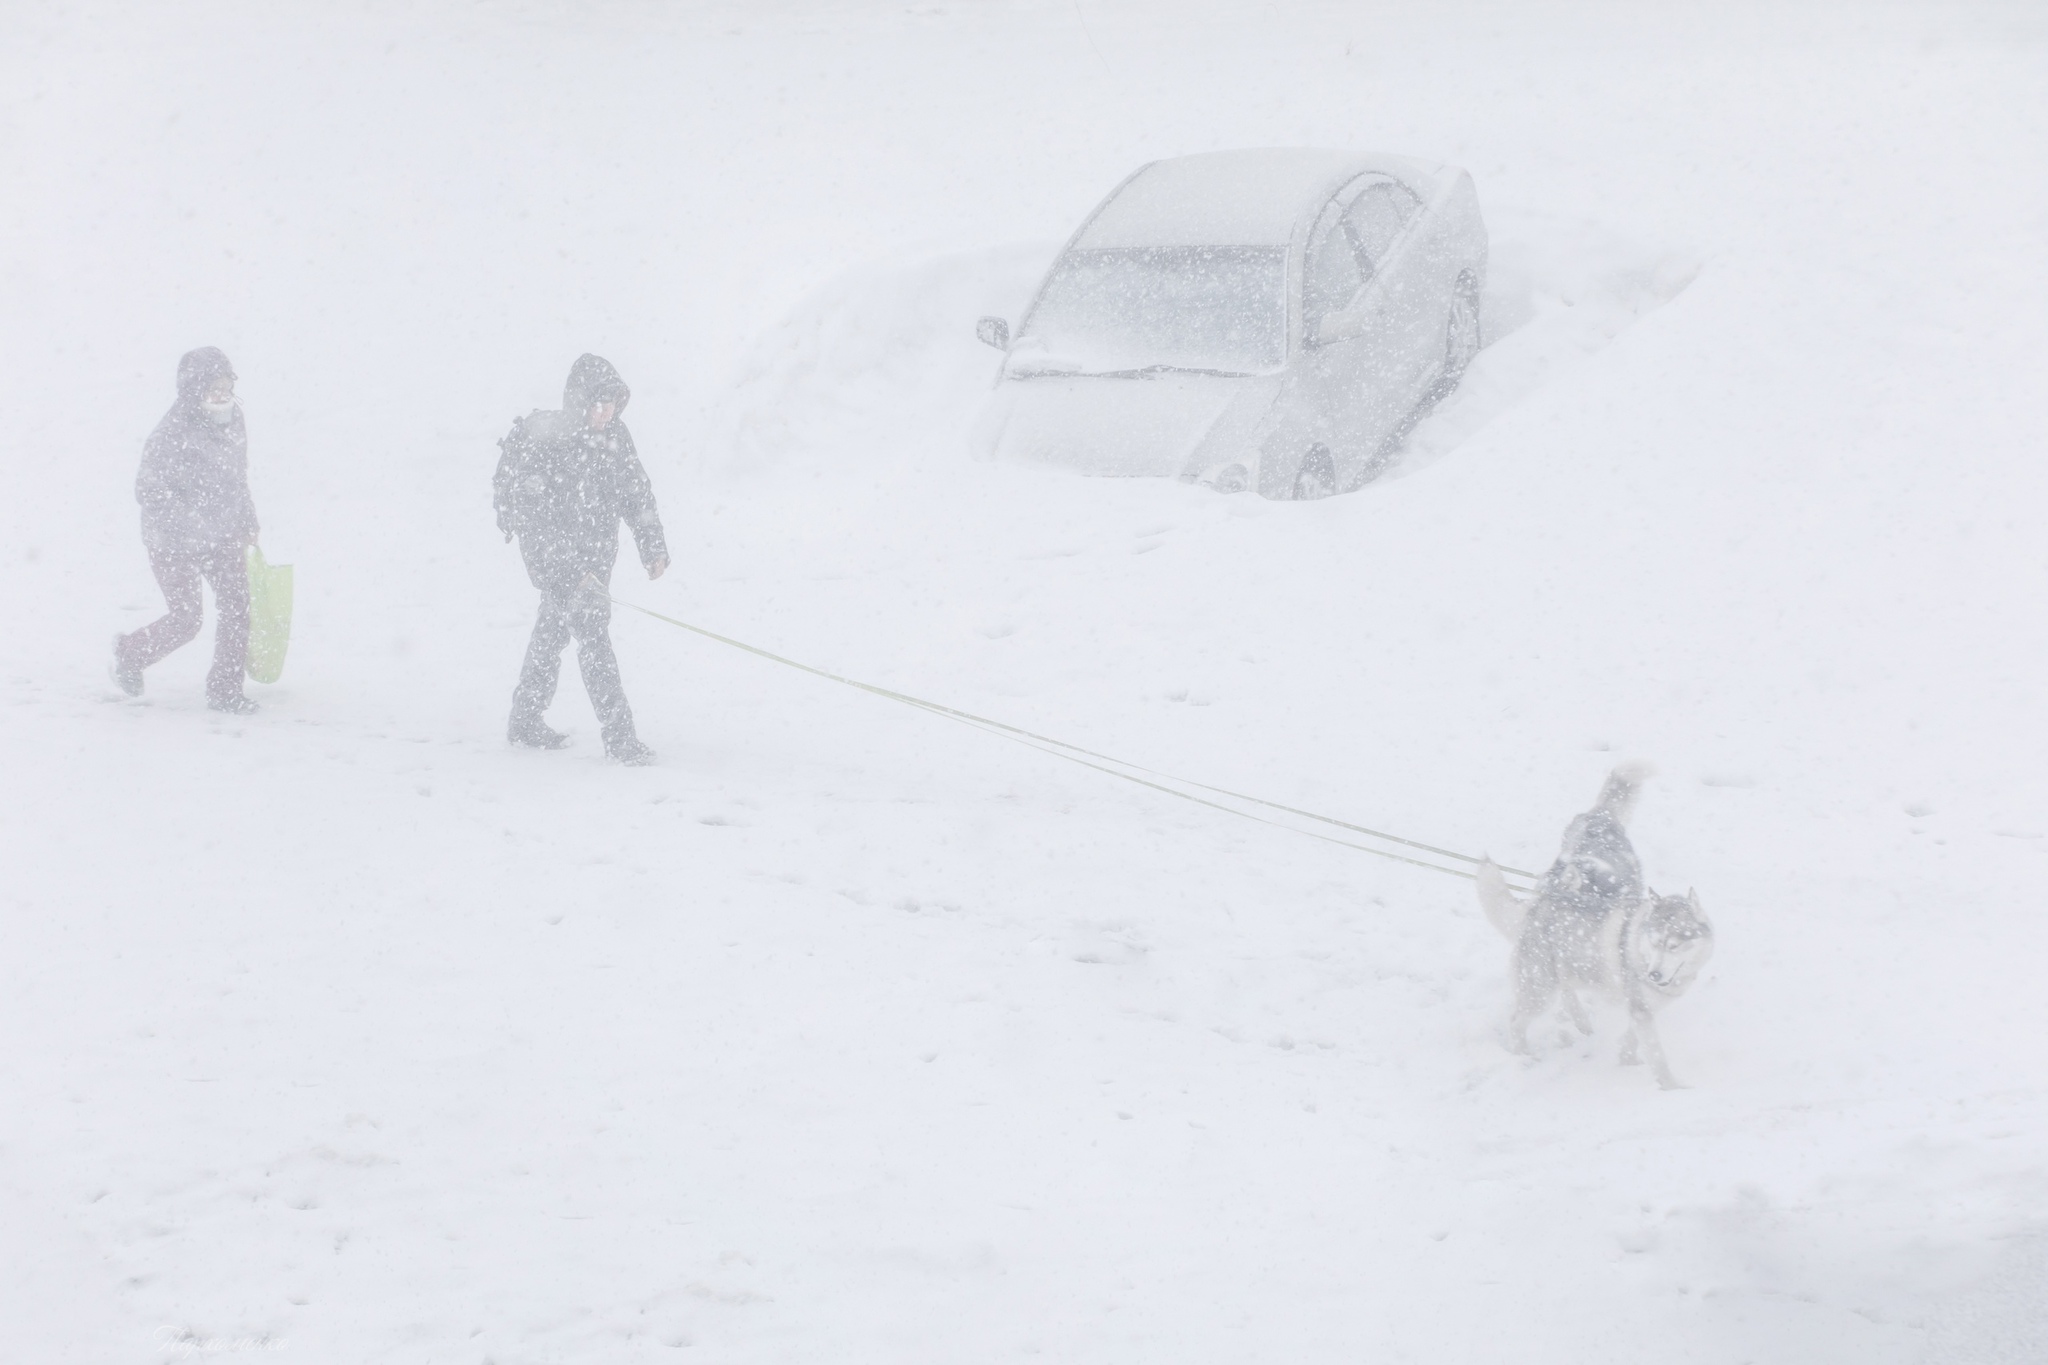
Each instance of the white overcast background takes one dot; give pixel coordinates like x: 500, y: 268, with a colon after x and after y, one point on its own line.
x: 344, y: 1033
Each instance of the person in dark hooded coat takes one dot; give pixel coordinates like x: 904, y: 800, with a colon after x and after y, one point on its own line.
x: 565, y: 481
x: 197, y: 517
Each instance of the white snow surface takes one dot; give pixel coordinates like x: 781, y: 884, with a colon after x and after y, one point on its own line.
x: 344, y: 1033
x: 1244, y: 197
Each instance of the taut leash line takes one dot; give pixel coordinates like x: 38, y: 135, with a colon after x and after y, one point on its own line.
x: 1114, y: 767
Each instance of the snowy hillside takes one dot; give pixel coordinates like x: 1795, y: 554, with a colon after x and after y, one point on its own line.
x: 345, y: 1033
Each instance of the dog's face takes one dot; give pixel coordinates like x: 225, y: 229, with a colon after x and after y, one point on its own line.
x: 1671, y: 942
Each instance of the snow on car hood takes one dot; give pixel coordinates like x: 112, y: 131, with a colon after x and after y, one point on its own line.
x: 1132, y: 427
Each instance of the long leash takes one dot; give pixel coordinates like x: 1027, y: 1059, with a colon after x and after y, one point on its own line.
x: 1115, y: 767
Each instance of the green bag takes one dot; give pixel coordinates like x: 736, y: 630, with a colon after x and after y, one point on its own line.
x: 270, y: 617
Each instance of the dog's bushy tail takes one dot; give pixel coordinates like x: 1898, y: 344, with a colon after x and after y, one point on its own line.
x: 1498, y: 902
x: 1618, y: 793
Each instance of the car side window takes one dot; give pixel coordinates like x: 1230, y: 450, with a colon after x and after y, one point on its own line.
x: 1376, y: 218
x: 1335, y: 274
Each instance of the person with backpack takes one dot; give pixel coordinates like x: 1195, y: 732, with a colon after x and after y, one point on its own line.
x: 565, y: 481
x: 197, y: 522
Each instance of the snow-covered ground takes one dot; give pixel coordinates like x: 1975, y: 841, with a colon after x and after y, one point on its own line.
x: 343, y: 1033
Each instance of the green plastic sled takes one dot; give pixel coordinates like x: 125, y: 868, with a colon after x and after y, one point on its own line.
x: 270, y: 617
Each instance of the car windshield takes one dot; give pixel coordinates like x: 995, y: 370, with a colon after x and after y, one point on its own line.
x: 1218, y: 308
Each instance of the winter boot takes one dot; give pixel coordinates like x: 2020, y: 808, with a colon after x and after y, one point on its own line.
x: 126, y: 676
x: 234, y: 706
x: 535, y: 734
x: 630, y: 752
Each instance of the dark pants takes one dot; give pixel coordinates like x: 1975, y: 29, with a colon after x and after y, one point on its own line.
x: 225, y: 568
x: 585, y: 615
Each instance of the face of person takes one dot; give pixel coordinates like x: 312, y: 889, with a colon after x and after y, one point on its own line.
x: 218, y: 402
x: 601, y: 415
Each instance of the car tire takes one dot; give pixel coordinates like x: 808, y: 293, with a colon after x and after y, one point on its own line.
x: 1462, y: 338
x: 1317, y: 477
x: 1382, y: 459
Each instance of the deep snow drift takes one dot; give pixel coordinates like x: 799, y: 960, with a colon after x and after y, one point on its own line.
x: 344, y: 1033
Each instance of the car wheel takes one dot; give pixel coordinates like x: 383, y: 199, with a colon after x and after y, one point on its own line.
x: 1382, y: 459
x: 1317, y: 477
x: 1462, y: 340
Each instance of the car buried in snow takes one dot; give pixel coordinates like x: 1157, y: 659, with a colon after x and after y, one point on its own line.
x: 1274, y: 320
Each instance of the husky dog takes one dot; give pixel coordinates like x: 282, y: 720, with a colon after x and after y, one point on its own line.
x: 1592, y: 924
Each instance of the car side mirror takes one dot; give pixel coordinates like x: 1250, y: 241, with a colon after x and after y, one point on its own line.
x: 1329, y: 326
x: 994, y: 332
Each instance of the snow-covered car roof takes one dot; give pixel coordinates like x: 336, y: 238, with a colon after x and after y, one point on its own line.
x: 1250, y: 197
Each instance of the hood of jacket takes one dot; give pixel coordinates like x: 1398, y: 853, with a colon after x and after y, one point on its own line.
x: 592, y: 380
x: 193, y: 483
x: 198, y: 369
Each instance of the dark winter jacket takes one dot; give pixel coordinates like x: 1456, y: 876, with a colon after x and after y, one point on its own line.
x: 194, y: 481
x: 562, y: 488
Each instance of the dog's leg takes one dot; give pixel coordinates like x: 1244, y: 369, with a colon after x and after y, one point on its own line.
x: 1645, y: 1027
x: 1532, y: 992
x: 1527, y: 1006
x: 1577, y: 1012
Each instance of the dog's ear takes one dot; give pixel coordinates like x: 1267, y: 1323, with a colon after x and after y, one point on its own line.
x: 1692, y: 898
